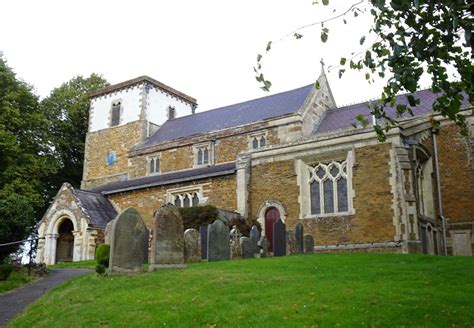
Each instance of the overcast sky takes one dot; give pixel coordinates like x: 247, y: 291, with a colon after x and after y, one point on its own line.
x: 206, y: 48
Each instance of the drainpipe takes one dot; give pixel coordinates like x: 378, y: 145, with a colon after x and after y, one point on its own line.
x: 438, y: 185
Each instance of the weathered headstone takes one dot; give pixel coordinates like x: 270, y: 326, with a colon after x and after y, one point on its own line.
x: 146, y: 250
x: 290, y: 242
x: 108, y: 232
x: 308, y: 244
x: 218, y: 244
x: 128, y: 238
x: 192, y: 246
x: 235, y: 249
x: 254, y: 238
x: 263, y: 244
x: 247, y: 249
x: 167, y: 246
x: 203, y: 234
x: 279, y: 238
x: 299, y: 238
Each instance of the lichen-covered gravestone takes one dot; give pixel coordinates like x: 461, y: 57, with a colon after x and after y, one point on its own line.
x: 203, y: 233
x: 128, y: 238
x: 108, y: 232
x: 279, y: 238
x: 218, y: 244
x: 192, y: 246
x: 235, y: 249
x: 290, y: 242
x: 254, y: 238
x: 167, y: 245
x: 247, y: 249
x: 263, y: 244
x: 308, y: 244
x: 299, y: 238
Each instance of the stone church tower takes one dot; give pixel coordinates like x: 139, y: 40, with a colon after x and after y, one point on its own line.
x: 122, y: 116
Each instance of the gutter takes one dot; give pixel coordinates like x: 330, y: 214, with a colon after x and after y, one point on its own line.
x: 438, y: 185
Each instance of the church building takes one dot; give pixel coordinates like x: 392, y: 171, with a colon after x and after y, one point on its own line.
x: 293, y: 156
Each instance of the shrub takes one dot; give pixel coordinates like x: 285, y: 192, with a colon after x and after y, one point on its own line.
x: 244, y: 225
x: 100, y: 269
x: 5, y: 271
x: 102, y: 254
x: 195, y: 216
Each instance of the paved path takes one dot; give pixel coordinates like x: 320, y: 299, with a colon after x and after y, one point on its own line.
x: 14, y: 302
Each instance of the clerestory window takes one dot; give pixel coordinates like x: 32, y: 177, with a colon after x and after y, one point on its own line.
x: 154, y: 165
x: 258, y: 141
x: 202, y: 155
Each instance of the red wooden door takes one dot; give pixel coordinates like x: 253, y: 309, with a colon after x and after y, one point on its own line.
x: 271, y: 216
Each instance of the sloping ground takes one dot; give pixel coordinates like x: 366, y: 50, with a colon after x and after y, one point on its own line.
x: 308, y: 290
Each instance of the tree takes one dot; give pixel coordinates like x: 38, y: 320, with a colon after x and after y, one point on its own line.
x: 414, y: 37
x: 67, y: 110
x: 25, y: 157
x: 17, y: 220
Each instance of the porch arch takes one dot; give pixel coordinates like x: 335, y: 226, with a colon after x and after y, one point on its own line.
x: 265, y: 207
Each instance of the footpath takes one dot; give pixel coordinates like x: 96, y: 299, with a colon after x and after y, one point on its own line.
x: 14, y: 302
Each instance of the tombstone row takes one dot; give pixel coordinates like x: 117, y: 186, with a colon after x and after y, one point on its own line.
x: 172, y: 248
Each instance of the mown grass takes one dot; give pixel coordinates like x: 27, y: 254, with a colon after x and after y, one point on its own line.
x: 80, y: 265
x: 17, y: 278
x: 382, y: 290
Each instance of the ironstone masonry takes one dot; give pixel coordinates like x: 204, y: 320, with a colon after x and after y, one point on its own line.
x: 294, y: 154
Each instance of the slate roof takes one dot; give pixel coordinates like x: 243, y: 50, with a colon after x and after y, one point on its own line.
x: 97, y: 206
x: 166, y: 178
x: 230, y: 116
x: 344, y: 117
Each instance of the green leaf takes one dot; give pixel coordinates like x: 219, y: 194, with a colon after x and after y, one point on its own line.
x: 411, y: 100
x: 367, y: 76
x: 317, y: 85
x: 341, y: 71
x: 297, y: 36
x: 325, y: 2
x: 362, y: 40
x: 342, y: 61
x: 259, y: 57
x: 324, y: 36
x: 269, y: 46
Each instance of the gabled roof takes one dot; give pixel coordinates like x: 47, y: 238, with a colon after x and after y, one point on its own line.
x: 138, y: 80
x: 98, y: 208
x: 166, y: 178
x: 248, y: 112
x: 344, y: 117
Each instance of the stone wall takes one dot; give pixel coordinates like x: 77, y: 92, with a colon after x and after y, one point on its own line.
x: 373, y: 217
x: 457, y: 174
x: 219, y: 191
x: 119, y: 139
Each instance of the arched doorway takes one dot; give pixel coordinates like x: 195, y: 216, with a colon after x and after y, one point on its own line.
x: 65, y: 242
x: 272, y: 215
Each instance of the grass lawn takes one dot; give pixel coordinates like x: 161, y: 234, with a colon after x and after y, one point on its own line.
x: 322, y: 290
x: 81, y: 264
x: 18, y: 277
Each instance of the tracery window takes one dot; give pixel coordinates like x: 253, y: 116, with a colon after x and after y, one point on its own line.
x: 328, y: 188
x: 154, y: 165
x: 202, y: 155
x: 258, y: 141
x: 186, y: 199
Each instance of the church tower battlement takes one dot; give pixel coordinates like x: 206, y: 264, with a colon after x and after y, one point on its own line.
x: 121, y: 116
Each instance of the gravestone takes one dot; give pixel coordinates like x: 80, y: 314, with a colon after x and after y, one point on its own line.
x: 299, y: 238
x: 108, y: 232
x: 167, y: 245
x: 247, y: 249
x: 235, y: 249
x: 192, y: 246
x: 218, y: 245
x: 146, y: 250
x: 263, y: 244
x: 279, y: 238
x: 254, y: 238
x: 128, y: 239
x: 308, y: 244
x: 203, y: 234
x: 290, y: 242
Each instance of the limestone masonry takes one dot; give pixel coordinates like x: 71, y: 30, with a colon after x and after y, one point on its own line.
x: 292, y: 156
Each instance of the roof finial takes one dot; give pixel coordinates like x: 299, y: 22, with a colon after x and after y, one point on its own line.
x: 322, y: 65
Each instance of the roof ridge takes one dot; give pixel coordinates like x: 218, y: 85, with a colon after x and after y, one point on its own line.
x: 376, y: 99
x: 238, y: 103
